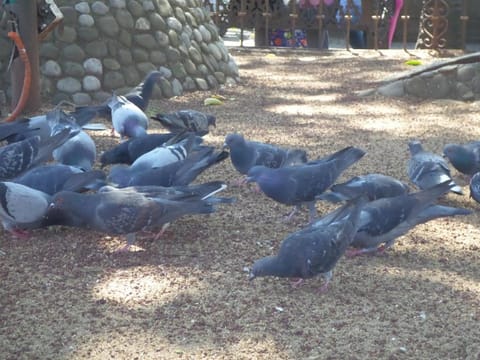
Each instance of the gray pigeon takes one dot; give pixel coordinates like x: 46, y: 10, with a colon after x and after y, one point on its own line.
x: 79, y: 151
x: 52, y: 178
x: 384, y: 220
x: 426, y: 169
x: 128, y: 119
x: 130, y: 150
x: 475, y: 187
x: 247, y: 154
x: 374, y: 186
x: 186, y: 120
x: 22, y: 208
x: 129, y: 210
x: 301, y: 184
x: 181, y: 172
x: 158, y: 157
x: 17, y: 157
x: 465, y: 158
x: 313, y: 250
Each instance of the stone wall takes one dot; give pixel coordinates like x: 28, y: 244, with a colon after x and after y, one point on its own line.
x: 112, y: 44
x: 457, y: 78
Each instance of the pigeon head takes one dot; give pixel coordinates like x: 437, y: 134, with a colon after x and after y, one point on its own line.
x: 257, y: 173
x: 212, y: 120
x: 415, y: 147
x: 119, y: 175
x: 234, y: 140
x: 271, y: 266
x: 462, y: 159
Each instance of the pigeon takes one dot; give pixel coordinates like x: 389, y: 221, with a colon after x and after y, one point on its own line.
x: 52, y: 178
x: 382, y: 221
x: 426, y: 169
x: 44, y: 125
x: 475, y: 187
x: 314, y: 250
x: 128, y: 119
x: 181, y: 172
x: 17, y: 157
x: 374, y: 186
x: 246, y: 154
x: 465, y: 158
x: 129, y: 210
x: 140, y: 96
x: 190, y: 120
x: 160, y: 156
x: 301, y: 184
x: 79, y: 151
x: 128, y: 151
x: 22, y: 208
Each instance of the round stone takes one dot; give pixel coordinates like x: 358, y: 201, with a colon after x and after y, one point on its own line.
x: 97, y: 49
x: 174, y: 24
x: 108, y: 25
x: 139, y: 55
x: 125, y: 56
x: 73, y: 52
x: 88, y: 33
x: 69, y: 85
x: 166, y: 72
x: 82, y: 7
x: 47, y: 50
x: 195, y: 55
x: 191, y: 20
x: 68, y: 35
x: 164, y: 8
x: 142, y: 24
x: 162, y: 38
x: 131, y: 75
x: 215, y: 51
x: 157, y: 22
x: 99, y: 8
x: 146, y: 67
x: 91, y: 83
x: 51, y: 68
x: 69, y: 15
x: 74, y: 69
x: 125, y: 19
x: 113, y: 80
x: 93, y: 66
x: 173, y: 37
x: 166, y: 88
x: 111, y: 64
x: 125, y: 38
x: 145, y: 40
x: 201, y: 84
x: 180, y: 15
x: 119, y: 4
x: 81, y: 98
x: 189, y: 84
x: 135, y: 8
x: 148, y: 5
x: 86, y: 20
x: 158, y: 57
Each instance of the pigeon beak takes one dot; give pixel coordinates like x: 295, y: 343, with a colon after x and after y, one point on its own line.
x: 251, y: 276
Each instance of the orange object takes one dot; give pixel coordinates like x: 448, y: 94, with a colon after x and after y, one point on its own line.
x: 27, y: 79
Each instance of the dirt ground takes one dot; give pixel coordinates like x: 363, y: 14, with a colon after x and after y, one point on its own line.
x: 66, y: 294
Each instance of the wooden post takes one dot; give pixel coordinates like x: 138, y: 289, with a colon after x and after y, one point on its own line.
x: 26, y: 13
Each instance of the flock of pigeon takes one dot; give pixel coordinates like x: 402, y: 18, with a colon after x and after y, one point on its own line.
x: 149, y: 182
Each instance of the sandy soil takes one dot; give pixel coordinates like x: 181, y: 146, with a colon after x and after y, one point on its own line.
x: 65, y: 294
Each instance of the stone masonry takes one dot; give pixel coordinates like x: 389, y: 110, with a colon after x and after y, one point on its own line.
x: 110, y: 45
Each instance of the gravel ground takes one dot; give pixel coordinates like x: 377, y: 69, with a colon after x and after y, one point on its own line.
x: 66, y: 294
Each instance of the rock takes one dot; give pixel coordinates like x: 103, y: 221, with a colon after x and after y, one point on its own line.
x: 190, y: 67
x: 157, y: 22
x: 101, y: 96
x: 173, y: 55
x: 177, y: 87
x: 145, y: 67
x: 189, y: 84
x: 166, y: 72
x: 164, y: 8
x: 51, y: 68
x: 74, y: 69
x: 60, y: 97
x: 73, y: 52
x: 466, y: 72
x: 91, y: 83
x: 69, y: 15
x: 81, y: 98
x: 135, y: 8
x: 88, y: 33
x: 148, y: 5
x: 111, y: 64
x: 125, y: 19
x: 131, y: 75
x: 395, y: 89
x: 108, y: 25
x: 125, y: 38
x: 178, y: 70
x: 214, y: 50
x: 206, y: 36
x: 142, y: 24
x: 145, y: 40
x: 119, y: 4
x: 166, y: 88
x: 195, y: 55
x: 162, y: 38
x: 140, y: 55
x: 82, y: 7
x: 113, y: 80
x: 86, y: 20
x: 68, y: 35
x: 191, y: 20
x: 174, y: 24
x: 47, y: 50
x: 97, y: 49
x: 180, y: 15
x: 125, y: 56
x: 439, y: 87
x: 464, y: 92
x: 93, y: 66
x: 173, y: 37
x: 220, y: 76
x: 158, y: 57
x: 201, y: 83
x: 69, y: 85
x: 99, y: 8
